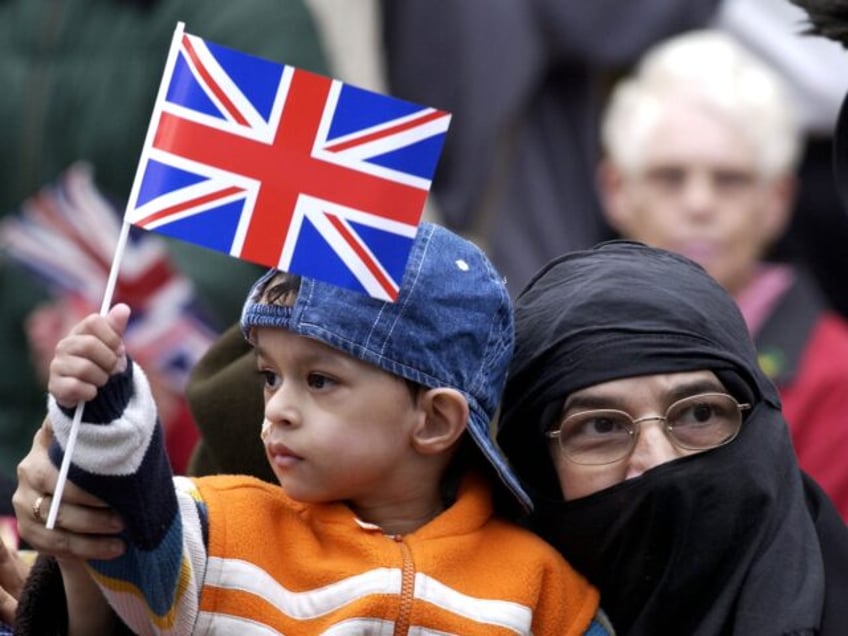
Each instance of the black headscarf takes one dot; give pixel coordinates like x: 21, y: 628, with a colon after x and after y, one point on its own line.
x: 729, y: 541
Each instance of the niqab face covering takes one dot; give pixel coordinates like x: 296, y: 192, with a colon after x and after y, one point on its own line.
x: 719, y: 542
x: 704, y: 543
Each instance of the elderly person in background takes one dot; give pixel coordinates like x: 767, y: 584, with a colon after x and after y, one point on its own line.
x: 701, y: 148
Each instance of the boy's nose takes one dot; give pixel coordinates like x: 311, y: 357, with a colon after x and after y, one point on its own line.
x: 280, y: 410
x: 653, y: 447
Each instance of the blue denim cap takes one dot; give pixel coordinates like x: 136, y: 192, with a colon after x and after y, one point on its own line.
x: 451, y: 326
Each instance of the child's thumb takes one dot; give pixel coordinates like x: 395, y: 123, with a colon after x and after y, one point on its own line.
x: 118, y: 318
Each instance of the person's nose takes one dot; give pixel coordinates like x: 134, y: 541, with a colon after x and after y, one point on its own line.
x: 653, y: 447
x: 281, y: 409
x: 699, y: 196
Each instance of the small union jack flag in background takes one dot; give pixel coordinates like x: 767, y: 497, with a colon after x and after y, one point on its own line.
x: 286, y: 168
x: 66, y: 233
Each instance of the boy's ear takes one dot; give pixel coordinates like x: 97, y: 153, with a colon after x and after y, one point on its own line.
x: 445, y: 416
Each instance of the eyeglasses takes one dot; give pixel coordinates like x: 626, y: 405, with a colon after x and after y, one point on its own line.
x: 604, y: 436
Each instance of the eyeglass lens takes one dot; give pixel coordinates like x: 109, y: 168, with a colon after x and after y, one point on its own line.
x: 698, y: 422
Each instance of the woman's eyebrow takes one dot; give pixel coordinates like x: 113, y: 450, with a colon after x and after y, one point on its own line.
x: 705, y: 385
x: 593, y: 401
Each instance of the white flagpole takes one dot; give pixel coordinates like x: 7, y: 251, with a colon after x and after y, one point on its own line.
x: 116, y: 264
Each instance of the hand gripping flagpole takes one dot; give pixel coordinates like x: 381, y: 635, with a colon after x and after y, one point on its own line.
x: 113, y: 272
x: 72, y: 436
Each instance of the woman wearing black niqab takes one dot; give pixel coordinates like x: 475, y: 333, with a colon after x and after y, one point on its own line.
x: 732, y: 540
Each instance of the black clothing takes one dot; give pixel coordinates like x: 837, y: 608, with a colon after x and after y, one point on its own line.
x: 730, y: 541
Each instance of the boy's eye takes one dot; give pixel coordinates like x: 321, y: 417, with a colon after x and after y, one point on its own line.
x: 271, y: 379
x: 318, y: 381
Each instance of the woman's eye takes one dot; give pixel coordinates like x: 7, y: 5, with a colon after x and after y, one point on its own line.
x: 594, y: 425
x: 601, y: 426
x: 702, y: 412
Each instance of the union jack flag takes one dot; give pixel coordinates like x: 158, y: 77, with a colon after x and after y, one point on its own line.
x: 286, y: 168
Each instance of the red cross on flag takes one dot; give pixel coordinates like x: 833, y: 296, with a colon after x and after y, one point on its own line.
x: 286, y: 168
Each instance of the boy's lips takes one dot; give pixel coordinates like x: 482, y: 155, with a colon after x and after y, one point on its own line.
x: 282, y: 455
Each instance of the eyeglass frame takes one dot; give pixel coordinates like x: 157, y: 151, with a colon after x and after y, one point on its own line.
x: 634, y: 429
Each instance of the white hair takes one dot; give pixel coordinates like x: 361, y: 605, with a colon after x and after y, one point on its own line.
x: 713, y: 70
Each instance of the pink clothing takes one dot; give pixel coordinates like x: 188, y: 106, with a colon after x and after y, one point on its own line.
x: 757, y: 300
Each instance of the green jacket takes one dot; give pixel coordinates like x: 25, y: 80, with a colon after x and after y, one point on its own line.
x: 80, y: 80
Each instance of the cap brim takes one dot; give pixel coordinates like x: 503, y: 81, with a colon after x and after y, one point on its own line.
x: 477, y: 429
x: 840, y: 154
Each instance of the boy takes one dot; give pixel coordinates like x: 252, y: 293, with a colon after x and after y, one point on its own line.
x: 384, y: 523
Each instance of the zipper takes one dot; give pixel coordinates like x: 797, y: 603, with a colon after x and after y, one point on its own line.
x: 407, y: 587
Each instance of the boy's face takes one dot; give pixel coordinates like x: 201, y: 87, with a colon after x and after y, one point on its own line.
x: 698, y: 192
x: 335, y: 427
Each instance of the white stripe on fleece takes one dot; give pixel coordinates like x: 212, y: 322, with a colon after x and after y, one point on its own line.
x: 506, y: 614
x: 240, y: 575
x: 236, y: 574
x: 211, y: 624
x: 116, y: 448
x: 369, y: 626
x: 377, y: 627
